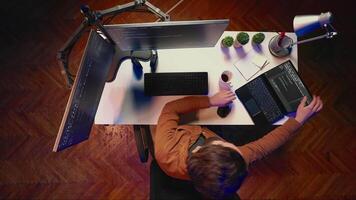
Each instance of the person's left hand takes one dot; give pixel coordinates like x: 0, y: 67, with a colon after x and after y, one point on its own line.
x: 222, y: 98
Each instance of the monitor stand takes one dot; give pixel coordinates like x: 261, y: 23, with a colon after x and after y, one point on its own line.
x: 120, y: 56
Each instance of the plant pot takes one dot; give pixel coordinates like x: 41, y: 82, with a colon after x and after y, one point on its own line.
x: 237, y: 44
x: 223, y: 45
x: 258, y: 38
x: 242, y: 38
x: 227, y: 42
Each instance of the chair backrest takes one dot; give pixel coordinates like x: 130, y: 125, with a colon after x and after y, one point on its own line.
x: 163, y: 186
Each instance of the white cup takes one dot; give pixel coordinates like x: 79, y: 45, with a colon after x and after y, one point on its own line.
x: 225, y: 81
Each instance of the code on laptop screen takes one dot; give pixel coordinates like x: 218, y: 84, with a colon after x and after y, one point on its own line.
x: 287, y: 84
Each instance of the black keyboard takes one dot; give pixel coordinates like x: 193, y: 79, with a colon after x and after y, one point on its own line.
x: 264, y: 100
x: 176, y: 83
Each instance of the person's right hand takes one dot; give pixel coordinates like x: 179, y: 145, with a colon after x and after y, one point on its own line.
x: 305, y: 112
x: 222, y: 98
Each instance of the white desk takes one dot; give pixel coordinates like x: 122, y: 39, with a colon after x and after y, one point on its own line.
x: 123, y: 101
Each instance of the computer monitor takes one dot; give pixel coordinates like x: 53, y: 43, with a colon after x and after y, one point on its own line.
x: 167, y: 35
x: 86, y: 92
x: 100, y: 61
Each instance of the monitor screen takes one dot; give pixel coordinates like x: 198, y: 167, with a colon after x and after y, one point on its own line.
x: 86, y: 92
x: 167, y: 35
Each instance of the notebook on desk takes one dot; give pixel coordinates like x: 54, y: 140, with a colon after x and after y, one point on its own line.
x: 273, y: 94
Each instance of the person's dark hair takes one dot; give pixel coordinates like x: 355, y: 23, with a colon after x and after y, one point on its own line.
x: 216, y: 171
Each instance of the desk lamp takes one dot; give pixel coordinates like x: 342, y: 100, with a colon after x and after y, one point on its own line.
x: 281, y: 45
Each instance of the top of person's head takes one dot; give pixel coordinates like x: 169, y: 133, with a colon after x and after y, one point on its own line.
x: 216, y: 171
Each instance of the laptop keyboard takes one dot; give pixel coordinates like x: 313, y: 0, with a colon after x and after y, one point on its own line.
x: 264, y: 100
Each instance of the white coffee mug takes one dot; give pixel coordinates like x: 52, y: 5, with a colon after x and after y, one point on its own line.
x: 225, y: 81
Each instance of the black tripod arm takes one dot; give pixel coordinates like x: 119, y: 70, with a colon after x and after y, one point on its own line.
x: 157, y: 11
x: 63, y: 53
x: 73, y: 39
x: 133, y: 5
x: 117, y: 9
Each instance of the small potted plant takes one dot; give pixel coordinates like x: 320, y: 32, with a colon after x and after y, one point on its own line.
x: 258, y: 38
x: 227, y: 41
x: 242, y: 38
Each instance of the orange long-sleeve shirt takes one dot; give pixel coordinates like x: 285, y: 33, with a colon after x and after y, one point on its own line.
x: 172, y: 141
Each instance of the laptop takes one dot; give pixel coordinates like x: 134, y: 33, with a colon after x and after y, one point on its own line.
x: 273, y: 94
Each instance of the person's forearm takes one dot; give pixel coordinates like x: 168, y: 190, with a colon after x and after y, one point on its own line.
x: 169, y: 117
x: 186, y: 105
x: 274, y: 139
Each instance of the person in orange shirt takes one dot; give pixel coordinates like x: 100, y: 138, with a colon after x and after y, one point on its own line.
x: 216, y: 167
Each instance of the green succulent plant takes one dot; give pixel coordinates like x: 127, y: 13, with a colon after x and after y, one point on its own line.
x: 258, y: 38
x: 228, y: 41
x: 242, y: 38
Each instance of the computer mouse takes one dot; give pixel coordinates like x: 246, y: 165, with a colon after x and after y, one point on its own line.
x: 224, y: 111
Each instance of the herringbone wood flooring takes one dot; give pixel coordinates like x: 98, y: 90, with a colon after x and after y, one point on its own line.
x: 319, y: 163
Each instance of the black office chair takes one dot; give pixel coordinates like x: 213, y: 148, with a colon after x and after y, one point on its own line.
x: 144, y: 142
x: 162, y: 186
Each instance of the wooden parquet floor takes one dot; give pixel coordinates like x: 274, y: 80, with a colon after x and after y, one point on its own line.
x: 319, y: 163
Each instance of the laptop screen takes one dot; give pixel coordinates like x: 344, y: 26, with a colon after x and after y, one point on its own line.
x: 288, y: 86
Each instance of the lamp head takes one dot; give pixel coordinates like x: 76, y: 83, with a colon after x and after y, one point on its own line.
x: 304, y: 24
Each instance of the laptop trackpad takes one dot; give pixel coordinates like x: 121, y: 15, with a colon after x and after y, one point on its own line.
x: 252, y: 107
